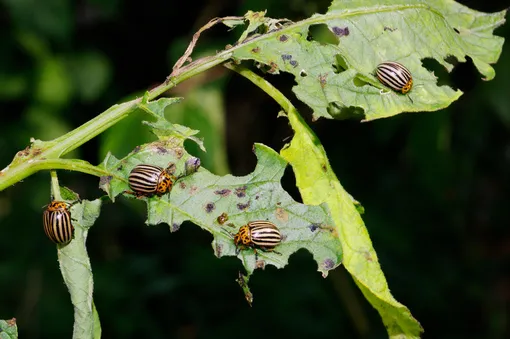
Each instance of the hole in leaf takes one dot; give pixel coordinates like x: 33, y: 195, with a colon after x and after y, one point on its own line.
x: 439, y: 71
x: 456, y: 30
x: 451, y: 59
x: 339, y: 111
x: 289, y: 184
x: 303, y: 73
x: 340, y: 64
x: 465, y: 76
x: 322, y: 34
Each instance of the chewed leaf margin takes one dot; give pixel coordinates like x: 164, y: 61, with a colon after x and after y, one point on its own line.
x: 338, y: 81
x: 222, y: 204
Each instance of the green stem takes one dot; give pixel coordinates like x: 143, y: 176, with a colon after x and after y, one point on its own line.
x: 74, y: 165
x: 49, y: 152
x: 267, y: 87
x: 55, y: 187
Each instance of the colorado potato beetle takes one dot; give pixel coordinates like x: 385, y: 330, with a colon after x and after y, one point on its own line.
x: 148, y: 180
x: 395, y: 76
x: 258, y: 234
x: 57, y: 222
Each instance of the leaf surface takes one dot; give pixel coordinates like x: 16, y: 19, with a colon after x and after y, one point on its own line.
x: 222, y: 204
x: 318, y: 184
x: 77, y: 271
x: 337, y: 79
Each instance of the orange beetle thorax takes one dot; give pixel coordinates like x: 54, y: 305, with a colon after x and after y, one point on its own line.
x: 243, y: 236
x: 56, y: 205
x: 407, y: 87
x: 165, y: 182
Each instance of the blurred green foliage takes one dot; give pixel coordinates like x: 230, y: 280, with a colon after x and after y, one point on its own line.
x: 434, y: 185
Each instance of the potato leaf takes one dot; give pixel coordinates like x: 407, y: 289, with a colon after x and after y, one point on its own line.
x: 337, y: 79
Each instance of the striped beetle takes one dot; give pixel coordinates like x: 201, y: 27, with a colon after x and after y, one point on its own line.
x: 258, y: 234
x: 395, y: 76
x: 148, y: 180
x: 57, y: 222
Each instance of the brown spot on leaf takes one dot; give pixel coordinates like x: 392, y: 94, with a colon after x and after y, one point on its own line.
x: 367, y: 256
x: 175, y: 227
x: 182, y: 185
x: 339, y: 31
x: 193, y: 190
x: 192, y: 165
x: 209, y: 207
x: 314, y: 227
x: 218, y: 250
x: 324, y: 168
x: 260, y: 264
x: 282, y: 214
x: 323, y: 79
x: 105, y: 180
x: 171, y: 168
x: 328, y: 264
x: 386, y: 28
x: 161, y: 150
x: 286, y: 57
x: 279, y: 203
x: 224, y: 192
x: 255, y: 50
x: 274, y: 67
x: 283, y: 38
x: 136, y: 149
x: 11, y: 322
x: 240, y: 192
x: 179, y: 152
x: 294, y: 63
x: 243, y: 206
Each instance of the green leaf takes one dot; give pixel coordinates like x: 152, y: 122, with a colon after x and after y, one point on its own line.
x: 318, y: 184
x: 203, y: 197
x: 337, y: 80
x: 77, y: 272
x: 162, y: 127
x: 8, y: 329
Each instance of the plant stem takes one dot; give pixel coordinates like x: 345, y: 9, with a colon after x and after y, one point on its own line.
x: 49, y: 152
x: 266, y: 86
x: 55, y: 187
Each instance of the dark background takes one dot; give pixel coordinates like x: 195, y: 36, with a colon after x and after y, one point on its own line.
x: 435, y: 186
